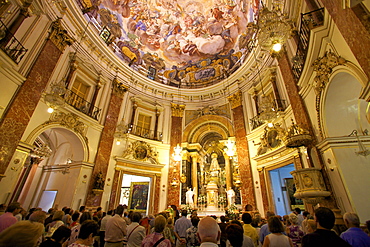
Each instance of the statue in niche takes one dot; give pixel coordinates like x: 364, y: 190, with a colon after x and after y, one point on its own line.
x: 189, y: 197
x: 214, y: 168
x: 99, y: 181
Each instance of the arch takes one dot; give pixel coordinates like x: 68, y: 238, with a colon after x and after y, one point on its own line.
x: 198, y: 129
x: 342, y: 111
x: 73, y: 137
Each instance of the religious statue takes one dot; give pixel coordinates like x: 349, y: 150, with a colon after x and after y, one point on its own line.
x: 99, y: 181
x: 189, y: 197
x: 214, y: 167
x: 230, y: 196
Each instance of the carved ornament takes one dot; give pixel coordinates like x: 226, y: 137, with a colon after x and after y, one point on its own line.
x: 119, y: 88
x: 235, y: 99
x: 68, y: 120
x: 59, y: 36
x: 272, y: 138
x: 177, y: 110
x: 323, y: 66
x: 141, y: 151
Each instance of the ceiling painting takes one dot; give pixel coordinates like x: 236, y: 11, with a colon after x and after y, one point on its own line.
x: 183, y: 43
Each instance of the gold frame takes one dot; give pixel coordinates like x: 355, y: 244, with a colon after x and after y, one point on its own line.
x: 139, y: 197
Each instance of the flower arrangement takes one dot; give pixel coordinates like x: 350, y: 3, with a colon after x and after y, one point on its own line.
x: 232, y: 212
x: 188, y: 208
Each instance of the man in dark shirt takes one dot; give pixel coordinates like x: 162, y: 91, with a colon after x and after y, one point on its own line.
x: 324, y: 236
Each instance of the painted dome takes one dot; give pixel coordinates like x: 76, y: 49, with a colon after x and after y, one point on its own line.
x: 191, y: 44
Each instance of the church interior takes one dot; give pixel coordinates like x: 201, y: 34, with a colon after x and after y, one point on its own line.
x: 206, y: 104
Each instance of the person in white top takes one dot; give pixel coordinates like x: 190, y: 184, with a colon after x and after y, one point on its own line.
x: 208, y: 232
x: 189, y: 197
x: 276, y: 238
x: 230, y: 196
x: 135, y: 232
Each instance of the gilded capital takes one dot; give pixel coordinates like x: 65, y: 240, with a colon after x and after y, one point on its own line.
x: 59, y: 36
x: 177, y: 110
x: 119, y: 88
x: 235, y: 99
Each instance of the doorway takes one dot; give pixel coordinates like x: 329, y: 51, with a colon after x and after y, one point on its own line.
x: 283, y: 189
x: 135, y: 192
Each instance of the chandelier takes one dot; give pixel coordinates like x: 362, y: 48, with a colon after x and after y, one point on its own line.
x: 267, y: 107
x: 273, y: 28
x: 54, y: 99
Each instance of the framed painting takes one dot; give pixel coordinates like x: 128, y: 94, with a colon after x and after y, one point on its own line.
x: 138, y: 200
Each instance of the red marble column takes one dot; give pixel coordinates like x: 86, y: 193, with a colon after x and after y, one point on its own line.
x: 106, y: 141
x: 302, y: 118
x: 247, y: 189
x: 173, y: 193
x: 157, y: 189
x: 20, y: 111
x: 265, y: 200
x: 298, y: 106
x: 116, y: 189
x: 354, y: 32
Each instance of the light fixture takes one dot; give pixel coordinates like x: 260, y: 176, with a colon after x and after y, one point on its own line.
x: 54, y: 99
x: 363, y: 151
x: 230, y: 147
x: 273, y: 29
x: 277, y: 46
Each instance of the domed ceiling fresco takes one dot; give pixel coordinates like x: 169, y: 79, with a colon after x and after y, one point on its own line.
x: 181, y: 43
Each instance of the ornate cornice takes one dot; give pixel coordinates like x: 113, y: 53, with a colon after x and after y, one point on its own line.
x: 68, y: 120
x: 235, y: 99
x: 177, y: 110
x: 323, y: 66
x: 59, y: 36
x: 119, y: 88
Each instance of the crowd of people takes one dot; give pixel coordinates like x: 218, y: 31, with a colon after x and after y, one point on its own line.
x: 119, y: 228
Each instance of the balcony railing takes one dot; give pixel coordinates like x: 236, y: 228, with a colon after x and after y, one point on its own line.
x: 142, y: 132
x: 81, y: 105
x: 10, y: 45
x: 309, y: 21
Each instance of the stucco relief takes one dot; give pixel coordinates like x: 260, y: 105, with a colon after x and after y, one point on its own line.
x: 140, y: 151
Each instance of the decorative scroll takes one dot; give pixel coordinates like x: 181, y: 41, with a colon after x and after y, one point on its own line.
x: 68, y: 120
x: 141, y: 151
x: 119, y: 88
x: 59, y: 36
x: 235, y: 99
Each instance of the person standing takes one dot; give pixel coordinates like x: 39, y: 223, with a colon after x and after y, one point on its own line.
x: 276, y: 238
x: 116, y: 229
x: 354, y: 235
x: 156, y: 238
x: 181, y: 225
x: 103, y: 225
x: 8, y: 218
x: 324, y: 236
x: 248, y: 229
x: 297, y: 211
x: 135, y: 232
x: 208, y: 232
x: 264, y: 229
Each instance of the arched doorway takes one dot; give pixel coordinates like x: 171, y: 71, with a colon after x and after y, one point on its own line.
x: 56, y: 173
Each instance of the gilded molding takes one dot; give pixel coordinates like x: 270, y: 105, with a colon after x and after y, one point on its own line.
x: 119, y: 88
x: 177, y: 110
x: 235, y: 99
x: 323, y: 66
x: 59, y: 36
x: 68, y: 120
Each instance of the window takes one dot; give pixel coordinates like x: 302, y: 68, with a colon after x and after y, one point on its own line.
x: 79, y: 95
x: 143, y: 125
